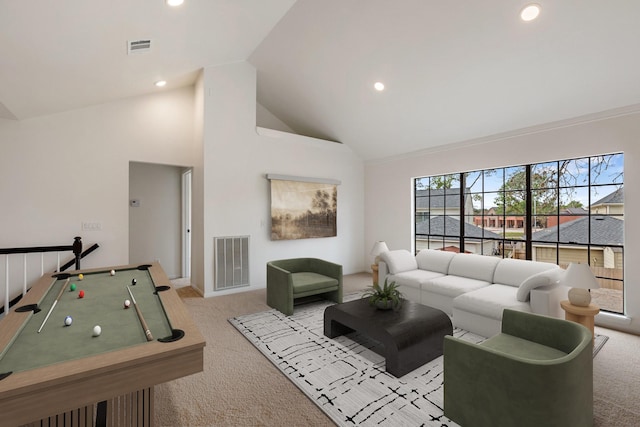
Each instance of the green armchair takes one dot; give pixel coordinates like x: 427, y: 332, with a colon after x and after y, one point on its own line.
x: 537, y: 372
x: 290, y: 279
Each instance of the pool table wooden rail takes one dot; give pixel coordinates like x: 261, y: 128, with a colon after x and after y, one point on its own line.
x: 49, y: 390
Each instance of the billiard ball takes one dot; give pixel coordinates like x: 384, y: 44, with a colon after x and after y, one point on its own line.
x: 97, y: 330
x: 81, y: 294
x: 80, y: 276
x: 72, y: 287
x: 112, y: 272
x: 68, y: 320
x: 133, y: 282
x: 127, y: 303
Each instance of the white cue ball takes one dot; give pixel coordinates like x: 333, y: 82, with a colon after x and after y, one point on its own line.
x: 97, y: 330
x: 113, y: 272
x: 68, y: 320
x: 127, y: 303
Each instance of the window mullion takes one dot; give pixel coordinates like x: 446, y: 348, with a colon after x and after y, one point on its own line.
x: 463, y: 218
x: 527, y: 217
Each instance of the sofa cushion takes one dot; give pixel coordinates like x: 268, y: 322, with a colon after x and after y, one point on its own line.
x: 399, y: 260
x: 544, y: 278
x: 434, y: 260
x: 414, y: 278
x: 479, y: 267
x: 490, y: 301
x: 452, y: 286
x: 514, y: 272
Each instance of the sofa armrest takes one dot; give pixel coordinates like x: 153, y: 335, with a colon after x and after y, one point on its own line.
x: 546, y: 300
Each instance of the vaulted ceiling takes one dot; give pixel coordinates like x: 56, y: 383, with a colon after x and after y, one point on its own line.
x: 453, y: 70
x: 57, y: 56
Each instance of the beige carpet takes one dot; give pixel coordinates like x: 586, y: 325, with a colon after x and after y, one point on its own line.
x: 240, y: 387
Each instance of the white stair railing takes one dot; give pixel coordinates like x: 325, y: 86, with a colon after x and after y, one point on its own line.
x: 29, y: 271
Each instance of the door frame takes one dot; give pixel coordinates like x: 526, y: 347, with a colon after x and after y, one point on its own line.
x: 187, y: 177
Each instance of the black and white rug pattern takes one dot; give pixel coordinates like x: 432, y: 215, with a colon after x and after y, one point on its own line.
x: 344, y: 376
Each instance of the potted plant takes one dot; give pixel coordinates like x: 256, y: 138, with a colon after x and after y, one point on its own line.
x: 384, y: 297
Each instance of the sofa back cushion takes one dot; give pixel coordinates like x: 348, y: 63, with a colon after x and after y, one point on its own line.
x: 479, y: 267
x: 433, y: 260
x: 513, y: 272
x: 399, y: 260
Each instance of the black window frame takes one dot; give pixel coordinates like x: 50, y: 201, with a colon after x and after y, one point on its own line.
x: 438, y: 239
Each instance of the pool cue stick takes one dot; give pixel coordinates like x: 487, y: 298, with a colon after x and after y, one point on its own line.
x: 54, y: 303
x: 147, y: 332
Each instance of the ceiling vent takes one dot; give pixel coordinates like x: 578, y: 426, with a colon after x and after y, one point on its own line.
x: 135, y: 47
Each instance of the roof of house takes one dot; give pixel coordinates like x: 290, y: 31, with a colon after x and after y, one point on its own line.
x: 617, y: 197
x: 605, y: 230
x: 450, y: 226
x: 575, y: 211
x: 438, y: 198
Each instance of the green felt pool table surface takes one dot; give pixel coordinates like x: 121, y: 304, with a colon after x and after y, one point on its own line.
x: 62, y: 370
x: 103, y: 305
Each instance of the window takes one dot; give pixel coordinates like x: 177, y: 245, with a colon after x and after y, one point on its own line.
x: 559, y: 212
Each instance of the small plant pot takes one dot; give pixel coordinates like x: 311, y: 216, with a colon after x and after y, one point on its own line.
x: 384, y: 305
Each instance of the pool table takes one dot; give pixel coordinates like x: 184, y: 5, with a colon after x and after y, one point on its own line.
x: 75, y: 377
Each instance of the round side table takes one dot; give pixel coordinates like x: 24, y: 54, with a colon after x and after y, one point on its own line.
x: 582, y: 315
x: 374, y: 270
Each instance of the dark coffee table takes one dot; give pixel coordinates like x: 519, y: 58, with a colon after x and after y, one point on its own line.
x: 411, y: 336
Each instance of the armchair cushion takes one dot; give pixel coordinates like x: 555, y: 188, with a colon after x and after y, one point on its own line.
x: 308, y: 281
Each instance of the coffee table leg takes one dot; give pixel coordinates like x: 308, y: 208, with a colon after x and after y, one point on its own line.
x: 332, y: 328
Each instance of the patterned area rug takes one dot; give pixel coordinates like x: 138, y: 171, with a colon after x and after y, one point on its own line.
x: 346, y: 376
x: 598, y: 342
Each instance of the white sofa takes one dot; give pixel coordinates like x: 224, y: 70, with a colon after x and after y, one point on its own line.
x: 474, y: 289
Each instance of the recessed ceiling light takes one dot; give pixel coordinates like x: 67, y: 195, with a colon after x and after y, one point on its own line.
x: 379, y: 86
x: 530, y: 12
x: 175, y: 2
x: 161, y: 83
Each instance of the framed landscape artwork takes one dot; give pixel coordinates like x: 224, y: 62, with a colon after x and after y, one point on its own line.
x: 303, y: 209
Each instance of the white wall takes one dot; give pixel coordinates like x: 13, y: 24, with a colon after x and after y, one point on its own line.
x: 197, y: 189
x: 266, y: 119
x: 235, y: 192
x: 388, y: 183
x: 155, y: 224
x: 60, y: 170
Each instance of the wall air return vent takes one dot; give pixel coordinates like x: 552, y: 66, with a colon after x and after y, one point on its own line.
x: 231, y: 262
x: 135, y: 47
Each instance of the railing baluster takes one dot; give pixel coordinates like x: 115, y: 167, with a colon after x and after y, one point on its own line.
x: 6, y: 284
x: 24, y: 270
